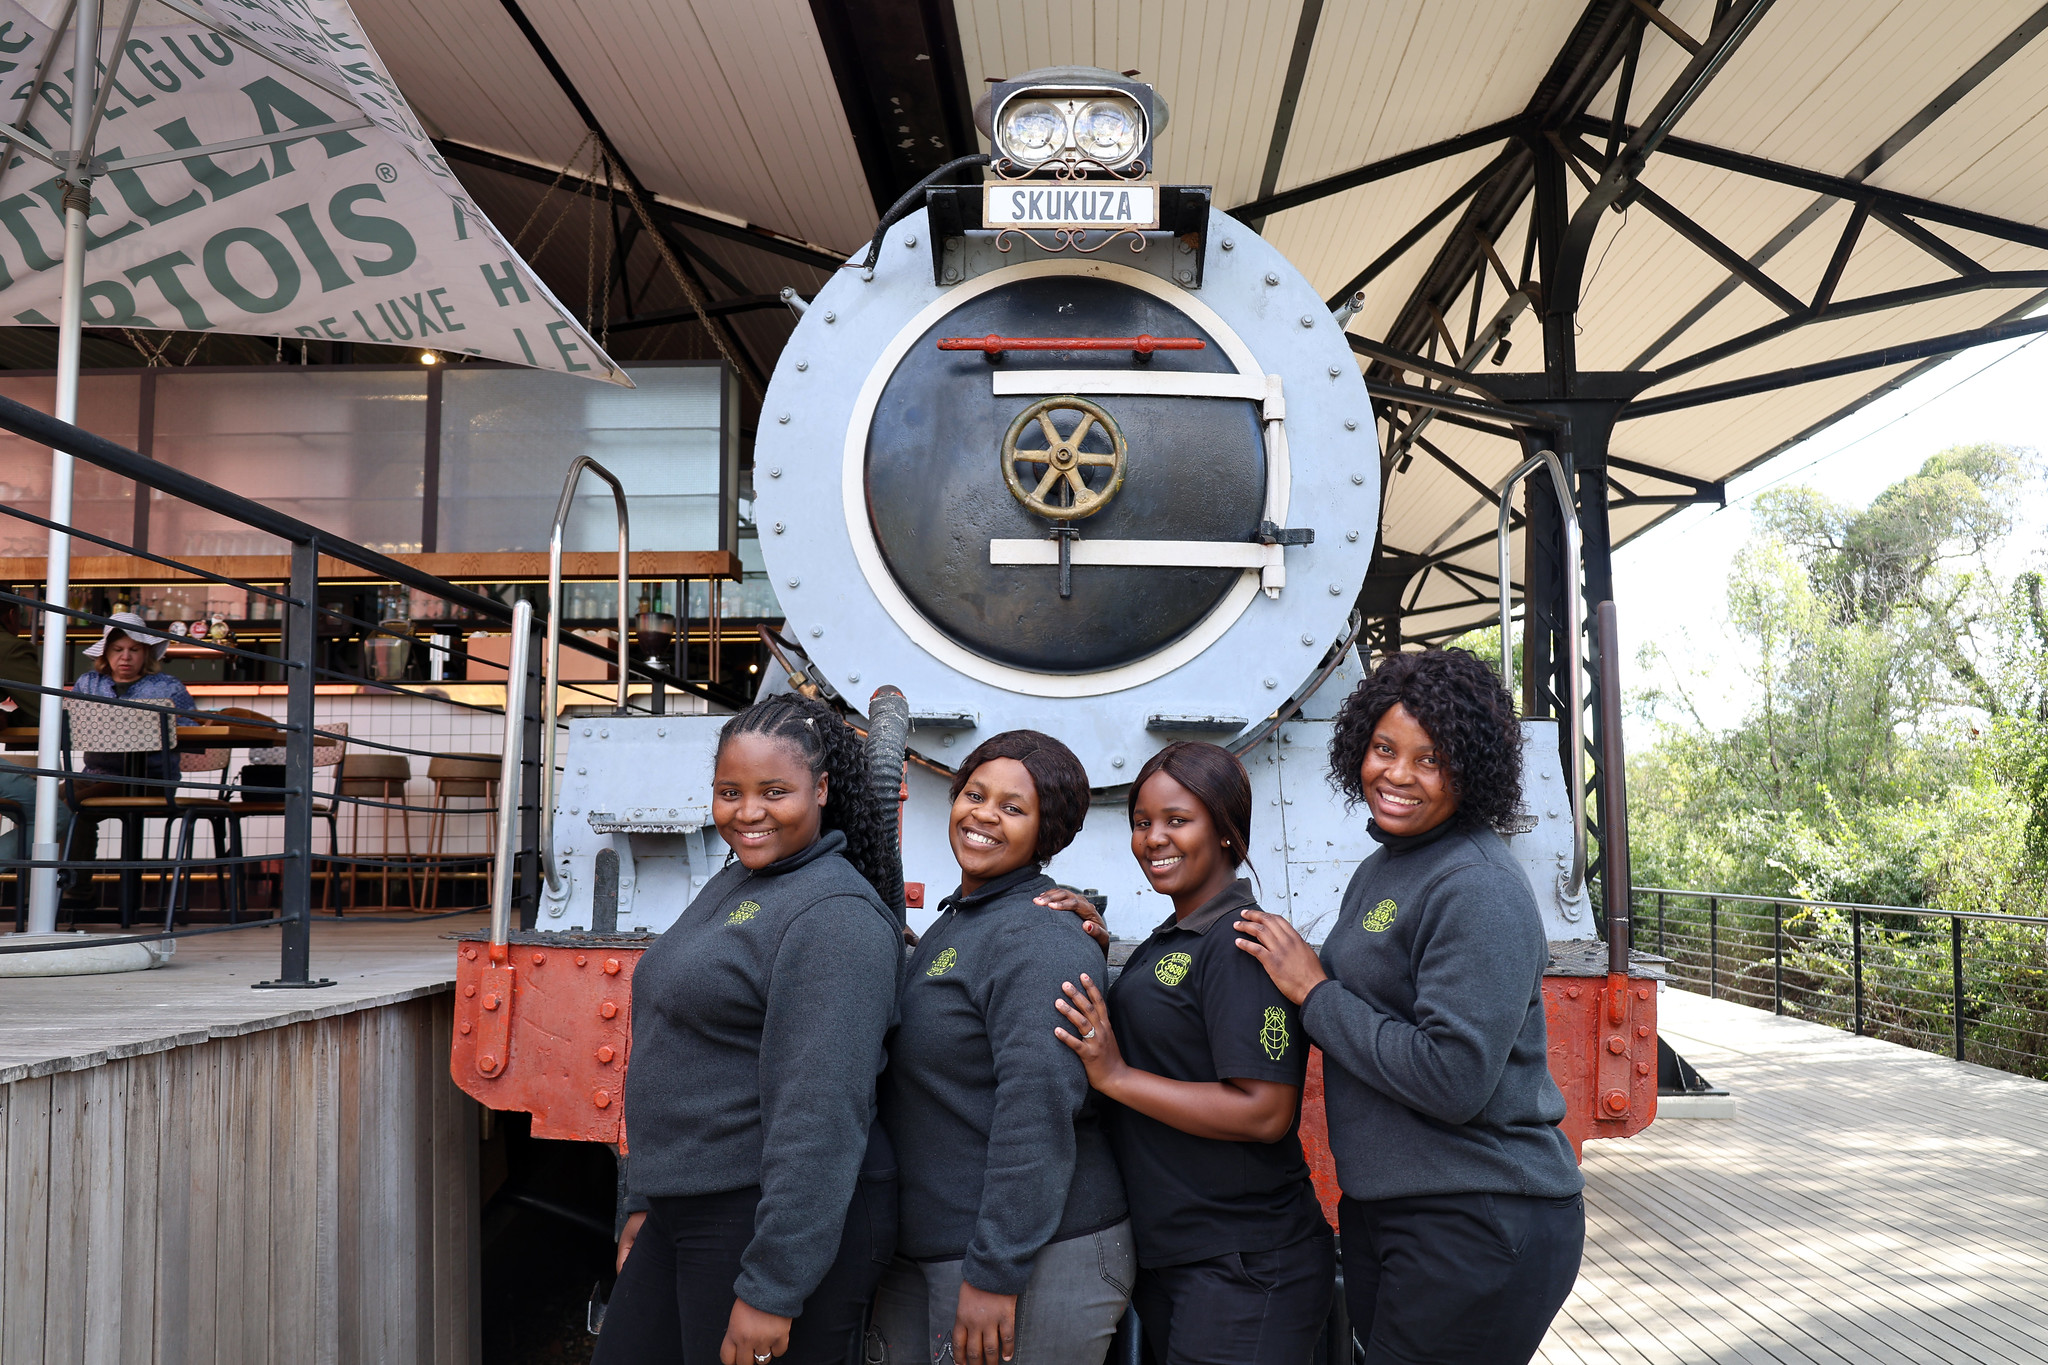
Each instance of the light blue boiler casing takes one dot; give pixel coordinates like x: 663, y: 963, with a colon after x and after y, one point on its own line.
x: 1250, y: 652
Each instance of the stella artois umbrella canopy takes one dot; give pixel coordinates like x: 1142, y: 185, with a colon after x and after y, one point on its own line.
x: 255, y: 169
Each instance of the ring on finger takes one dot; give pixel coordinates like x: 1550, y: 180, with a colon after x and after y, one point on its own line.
x: 1089, y: 1034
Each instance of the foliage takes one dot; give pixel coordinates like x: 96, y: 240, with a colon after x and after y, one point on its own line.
x: 1894, y: 751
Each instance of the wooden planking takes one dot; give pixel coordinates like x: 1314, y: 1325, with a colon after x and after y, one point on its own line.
x: 1870, y: 1203
x: 188, y: 1205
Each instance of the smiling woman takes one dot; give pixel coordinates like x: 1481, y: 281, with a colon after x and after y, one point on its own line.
x: 1462, y: 1218
x: 1015, y: 1245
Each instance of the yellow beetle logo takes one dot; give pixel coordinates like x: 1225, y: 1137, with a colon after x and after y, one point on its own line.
x: 1273, y: 1037
x: 1172, y: 969
x: 943, y: 963
x: 1381, y: 917
x: 743, y: 912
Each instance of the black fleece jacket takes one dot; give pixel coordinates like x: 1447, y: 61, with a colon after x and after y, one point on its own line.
x: 758, y: 1023
x: 1436, y: 1072
x: 998, y: 1147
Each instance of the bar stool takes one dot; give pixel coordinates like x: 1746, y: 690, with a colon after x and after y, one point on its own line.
x: 377, y: 777
x: 457, y: 777
x: 330, y: 746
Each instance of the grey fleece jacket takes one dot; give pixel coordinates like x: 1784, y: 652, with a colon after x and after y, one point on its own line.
x: 998, y: 1148
x: 1437, y: 1075
x: 758, y: 1023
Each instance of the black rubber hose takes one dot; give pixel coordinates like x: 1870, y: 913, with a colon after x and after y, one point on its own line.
x: 888, y: 734
x: 913, y: 199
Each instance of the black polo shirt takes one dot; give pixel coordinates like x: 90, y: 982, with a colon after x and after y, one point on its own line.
x: 1191, y: 1005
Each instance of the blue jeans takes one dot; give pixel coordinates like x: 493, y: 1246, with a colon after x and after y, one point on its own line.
x: 1066, y: 1315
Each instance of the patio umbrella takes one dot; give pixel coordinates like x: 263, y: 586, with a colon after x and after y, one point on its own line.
x: 193, y: 165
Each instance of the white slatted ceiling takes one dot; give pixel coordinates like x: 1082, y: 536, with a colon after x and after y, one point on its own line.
x: 732, y: 107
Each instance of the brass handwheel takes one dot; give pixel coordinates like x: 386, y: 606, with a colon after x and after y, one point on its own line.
x: 1063, y: 459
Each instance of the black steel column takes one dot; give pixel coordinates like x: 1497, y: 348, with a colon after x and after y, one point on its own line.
x: 301, y: 635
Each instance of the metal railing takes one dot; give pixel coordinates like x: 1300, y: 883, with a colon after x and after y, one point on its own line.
x: 1973, y: 984
x: 308, y: 630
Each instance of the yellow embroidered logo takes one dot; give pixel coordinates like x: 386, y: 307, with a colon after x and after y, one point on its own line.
x: 743, y: 912
x: 943, y: 963
x: 1380, y: 918
x: 1273, y: 1037
x: 1172, y: 969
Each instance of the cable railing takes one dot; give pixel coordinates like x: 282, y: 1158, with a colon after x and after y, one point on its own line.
x: 1972, y: 984
x: 264, y: 831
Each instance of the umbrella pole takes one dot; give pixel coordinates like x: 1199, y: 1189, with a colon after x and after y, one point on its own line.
x: 43, y: 893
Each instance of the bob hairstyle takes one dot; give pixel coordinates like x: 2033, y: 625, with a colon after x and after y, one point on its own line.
x: 1217, y: 779
x: 1459, y: 701
x: 1061, y: 781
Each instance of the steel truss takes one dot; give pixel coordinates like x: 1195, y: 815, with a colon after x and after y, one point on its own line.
x: 1422, y: 371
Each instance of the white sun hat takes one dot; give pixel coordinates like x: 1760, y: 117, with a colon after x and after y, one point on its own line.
x: 130, y: 626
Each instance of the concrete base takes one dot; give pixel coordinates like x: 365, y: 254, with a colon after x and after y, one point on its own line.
x: 1695, y: 1107
x: 88, y: 959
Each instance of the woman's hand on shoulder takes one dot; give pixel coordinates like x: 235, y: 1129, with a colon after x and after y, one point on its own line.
x: 1282, y: 951
x: 1073, y: 903
x: 1092, y: 1039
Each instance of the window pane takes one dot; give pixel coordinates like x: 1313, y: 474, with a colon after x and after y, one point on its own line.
x: 342, y: 449
x: 101, y: 503
x: 508, y: 436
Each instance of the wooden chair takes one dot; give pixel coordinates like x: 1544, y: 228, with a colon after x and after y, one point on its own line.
x: 17, y: 815
x: 144, y: 730
x: 457, y: 777
x: 220, y: 817
x: 377, y: 777
x: 330, y: 746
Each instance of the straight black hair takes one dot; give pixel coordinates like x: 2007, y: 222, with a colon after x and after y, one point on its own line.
x: 1217, y: 779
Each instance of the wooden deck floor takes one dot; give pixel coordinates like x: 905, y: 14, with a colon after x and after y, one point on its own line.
x: 65, y: 1023
x: 1868, y: 1203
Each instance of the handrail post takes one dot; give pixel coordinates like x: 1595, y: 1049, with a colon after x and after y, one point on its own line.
x: 1777, y: 957
x: 1713, y: 947
x: 301, y: 639
x: 1575, y: 632
x: 1856, y: 962
x: 1660, y: 924
x: 1955, y: 939
x: 510, y: 774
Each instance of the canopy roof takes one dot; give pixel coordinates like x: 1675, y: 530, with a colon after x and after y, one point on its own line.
x: 1784, y: 184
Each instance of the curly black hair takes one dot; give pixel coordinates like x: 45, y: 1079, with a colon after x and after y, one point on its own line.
x: 1061, y: 781
x: 1455, y: 696
x: 829, y: 746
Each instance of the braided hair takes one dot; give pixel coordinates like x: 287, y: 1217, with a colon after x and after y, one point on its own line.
x: 830, y: 747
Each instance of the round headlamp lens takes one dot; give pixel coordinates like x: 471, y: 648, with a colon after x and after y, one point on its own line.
x: 1033, y: 130
x: 1107, y: 131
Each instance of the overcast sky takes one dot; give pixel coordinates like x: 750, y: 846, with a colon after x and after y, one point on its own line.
x: 1671, y: 584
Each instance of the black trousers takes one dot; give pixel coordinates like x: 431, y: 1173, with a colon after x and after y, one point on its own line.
x: 1458, y: 1279
x: 1246, y: 1308
x: 674, y: 1297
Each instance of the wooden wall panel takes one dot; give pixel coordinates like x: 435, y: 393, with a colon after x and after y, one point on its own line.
x: 305, y: 1193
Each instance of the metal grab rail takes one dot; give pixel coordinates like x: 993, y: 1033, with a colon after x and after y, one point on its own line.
x: 1575, y: 611
x: 552, y: 675
x: 503, y: 881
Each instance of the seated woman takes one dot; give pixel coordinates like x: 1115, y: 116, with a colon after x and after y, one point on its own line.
x: 757, y: 1227
x: 128, y: 667
x: 1462, y: 1215
x: 1014, y: 1245
x: 1204, y: 1059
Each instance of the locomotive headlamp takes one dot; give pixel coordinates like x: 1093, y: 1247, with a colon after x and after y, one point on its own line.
x: 1074, y: 121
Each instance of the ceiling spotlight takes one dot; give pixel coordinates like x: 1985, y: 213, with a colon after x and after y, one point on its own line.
x: 429, y: 358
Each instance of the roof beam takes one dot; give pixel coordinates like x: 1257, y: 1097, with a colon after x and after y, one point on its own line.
x: 749, y: 303
x: 902, y: 85
x: 1670, y: 26
x: 1290, y: 97
x: 1268, y: 205
x: 1830, y: 369
x: 723, y: 335
x: 1678, y: 221
x: 1942, y: 251
x: 746, y: 234
x: 1741, y: 20
x: 1424, y: 228
x: 1414, y: 364
x: 1857, y: 307
x: 1450, y: 402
